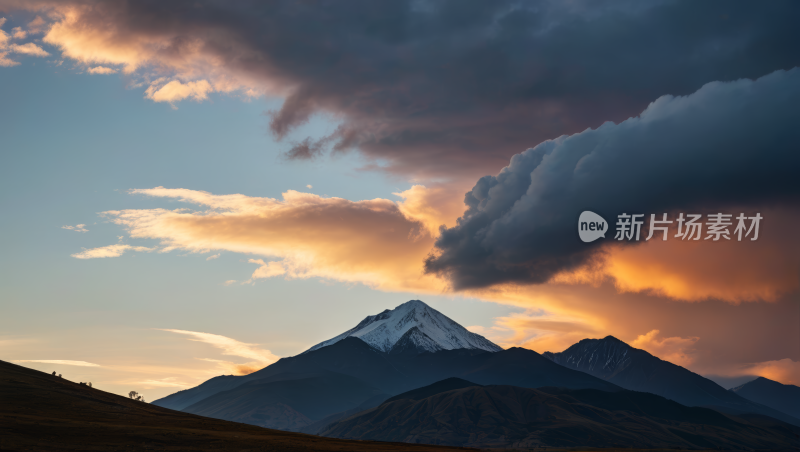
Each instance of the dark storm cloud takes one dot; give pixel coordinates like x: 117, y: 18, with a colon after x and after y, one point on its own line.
x: 732, y: 144
x: 453, y: 88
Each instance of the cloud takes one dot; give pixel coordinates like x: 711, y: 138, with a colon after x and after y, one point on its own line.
x: 260, y: 357
x: 267, y: 269
x: 677, y: 350
x: 232, y: 368
x: 37, y: 25
x: 309, y: 186
x: 729, y: 147
x: 76, y: 228
x: 303, y: 235
x: 448, y: 88
x: 65, y: 362
x: 18, y: 33
x: 786, y: 371
x: 437, y: 206
x: 306, y: 149
x: 6, y: 62
x: 109, y: 251
x: 163, y: 383
x: 101, y: 70
x: 229, y: 346
x: 213, y: 256
x: 175, y: 91
x: 28, y: 49
x: 541, y: 330
x: 4, y: 39
x: 696, y: 272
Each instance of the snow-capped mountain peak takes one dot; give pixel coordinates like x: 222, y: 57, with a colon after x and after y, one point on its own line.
x: 413, y: 325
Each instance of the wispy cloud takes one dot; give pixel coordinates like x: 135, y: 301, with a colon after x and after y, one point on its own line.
x: 175, y: 91
x: 260, y: 357
x: 28, y: 49
x: 101, y: 70
x: 229, y: 367
x: 109, y: 251
x: 267, y: 269
x: 59, y: 361
x: 76, y: 228
x: 212, y: 257
x: 168, y: 382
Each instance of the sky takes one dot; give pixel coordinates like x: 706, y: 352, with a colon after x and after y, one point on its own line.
x: 200, y: 188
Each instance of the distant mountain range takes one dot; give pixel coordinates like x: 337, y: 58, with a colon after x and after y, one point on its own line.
x: 636, y: 370
x: 456, y: 412
x: 785, y: 398
x: 392, y: 360
x: 392, y: 372
x: 365, y: 374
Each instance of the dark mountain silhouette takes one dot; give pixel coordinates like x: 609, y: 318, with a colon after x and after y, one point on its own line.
x: 781, y: 397
x: 186, y: 397
x: 508, y: 416
x: 424, y: 392
x: 636, y: 370
x: 39, y: 411
x: 289, y: 404
x: 414, y: 346
x: 393, y: 373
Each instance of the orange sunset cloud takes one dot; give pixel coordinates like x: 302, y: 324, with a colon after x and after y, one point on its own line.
x: 372, y: 242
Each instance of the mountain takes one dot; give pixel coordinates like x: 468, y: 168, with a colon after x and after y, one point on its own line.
x: 186, y: 397
x: 396, y: 373
x: 413, y: 326
x: 289, y: 402
x: 514, y: 417
x: 617, y: 362
x: 778, y: 396
x: 448, y: 384
x: 386, y: 354
x: 397, y: 350
x: 39, y: 411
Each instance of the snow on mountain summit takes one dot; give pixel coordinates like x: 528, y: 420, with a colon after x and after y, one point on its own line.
x: 413, y: 324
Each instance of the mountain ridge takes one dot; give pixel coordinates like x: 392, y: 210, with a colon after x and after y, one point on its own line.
x: 634, y: 369
x: 776, y: 395
x: 512, y: 417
